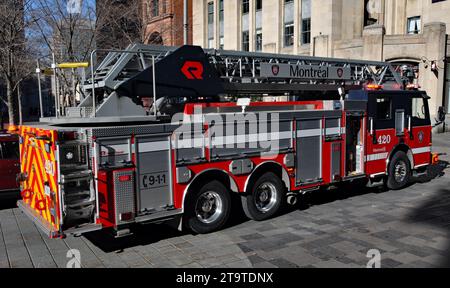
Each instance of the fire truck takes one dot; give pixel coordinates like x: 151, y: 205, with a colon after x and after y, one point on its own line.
x: 169, y: 134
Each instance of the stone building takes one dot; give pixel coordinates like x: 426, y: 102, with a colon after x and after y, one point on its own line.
x: 413, y: 34
x: 163, y: 21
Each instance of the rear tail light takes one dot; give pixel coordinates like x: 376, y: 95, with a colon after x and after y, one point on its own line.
x: 125, y: 178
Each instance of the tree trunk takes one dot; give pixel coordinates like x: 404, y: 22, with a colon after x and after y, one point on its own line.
x: 12, y: 103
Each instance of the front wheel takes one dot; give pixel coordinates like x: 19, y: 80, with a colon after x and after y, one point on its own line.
x: 265, y: 197
x: 399, y: 172
x: 208, y: 208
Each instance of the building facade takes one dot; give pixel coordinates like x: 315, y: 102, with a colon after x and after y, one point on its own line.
x: 412, y: 34
x: 163, y: 22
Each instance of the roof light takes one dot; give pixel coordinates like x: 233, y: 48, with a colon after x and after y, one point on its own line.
x: 374, y: 87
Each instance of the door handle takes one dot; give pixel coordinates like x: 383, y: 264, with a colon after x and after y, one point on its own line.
x: 411, y: 135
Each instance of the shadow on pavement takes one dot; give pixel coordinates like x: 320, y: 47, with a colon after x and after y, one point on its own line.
x: 152, y: 233
x: 436, y: 212
x: 8, y: 202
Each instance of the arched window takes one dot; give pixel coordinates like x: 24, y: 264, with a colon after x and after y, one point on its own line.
x: 155, y: 39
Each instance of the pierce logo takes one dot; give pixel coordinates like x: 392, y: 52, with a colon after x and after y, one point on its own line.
x: 340, y: 72
x: 275, y: 69
x: 193, y: 70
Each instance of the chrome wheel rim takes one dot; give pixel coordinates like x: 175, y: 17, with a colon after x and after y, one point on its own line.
x: 400, y: 171
x: 265, y: 197
x: 209, y: 207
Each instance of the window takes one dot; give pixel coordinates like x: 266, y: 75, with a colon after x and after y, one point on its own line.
x: 306, y: 22
x: 210, y: 24
x: 384, y: 108
x: 288, y: 23
x: 288, y: 34
x: 221, y: 25
x: 258, y: 40
x: 155, y: 8
x: 414, y: 25
x: 369, y: 18
x: 419, y: 109
x: 210, y: 12
x: 221, y: 42
x: 245, y: 41
x: 245, y: 6
x: 164, y: 6
x: 10, y: 150
x: 258, y: 5
x: 306, y: 31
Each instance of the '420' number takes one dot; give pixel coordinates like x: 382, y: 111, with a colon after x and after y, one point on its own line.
x: 384, y: 139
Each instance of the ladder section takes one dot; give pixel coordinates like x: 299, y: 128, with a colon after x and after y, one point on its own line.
x: 249, y: 67
x: 120, y: 65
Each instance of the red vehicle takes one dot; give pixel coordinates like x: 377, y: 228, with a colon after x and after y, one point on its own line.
x: 115, y: 162
x: 9, y: 164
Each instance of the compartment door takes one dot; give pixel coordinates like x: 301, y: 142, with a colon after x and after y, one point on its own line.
x: 309, y: 151
x: 153, y: 159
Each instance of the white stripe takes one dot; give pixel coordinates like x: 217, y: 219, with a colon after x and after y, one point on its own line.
x: 153, y: 146
x: 309, y: 133
x: 376, y: 157
x: 421, y: 150
x: 333, y: 131
x: 248, y: 138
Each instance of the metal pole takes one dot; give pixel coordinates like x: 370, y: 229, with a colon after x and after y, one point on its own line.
x: 93, y: 85
x: 55, y: 81
x: 154, y: 85
x: 74, y: 92
x: 185, y: 22
x: 38, y: 71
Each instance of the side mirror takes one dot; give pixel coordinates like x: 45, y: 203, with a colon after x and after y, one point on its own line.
x: 441, y: 114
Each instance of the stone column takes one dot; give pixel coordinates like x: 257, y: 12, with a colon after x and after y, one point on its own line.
x: 433, y: 81
x: 232, y: 24
x: 373, y: 38
x: 199, y: 24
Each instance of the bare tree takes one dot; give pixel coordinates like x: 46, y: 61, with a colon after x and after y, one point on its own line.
x: 14, y: 53
x: 66, y: 29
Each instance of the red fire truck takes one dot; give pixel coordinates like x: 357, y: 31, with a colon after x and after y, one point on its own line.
x: 168, y: 134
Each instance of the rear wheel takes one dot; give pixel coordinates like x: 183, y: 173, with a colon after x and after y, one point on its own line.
x: 208, y: 208
x: 399, y: 172
x: 265, y: 198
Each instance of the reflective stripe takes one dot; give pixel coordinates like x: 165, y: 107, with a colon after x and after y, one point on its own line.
x: 376, y: 157
x: 309, y: 133
x: 249, y: 138
x: 153, y: 146
x: 333, y: 131
x: 421, y: 150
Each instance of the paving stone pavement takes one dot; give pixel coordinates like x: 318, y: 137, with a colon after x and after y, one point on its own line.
x: 409, y: 227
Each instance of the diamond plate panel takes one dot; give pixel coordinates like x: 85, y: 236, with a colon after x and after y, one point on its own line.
x: 124, y: 194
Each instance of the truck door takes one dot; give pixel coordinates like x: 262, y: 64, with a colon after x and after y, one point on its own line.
x: 388, y: 124
x: 419, y: 130
x: 9, y: 163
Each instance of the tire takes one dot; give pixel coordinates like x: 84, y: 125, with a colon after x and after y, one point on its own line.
x: 265, y: 198
x: 399, y: 172
x: 207, y: 208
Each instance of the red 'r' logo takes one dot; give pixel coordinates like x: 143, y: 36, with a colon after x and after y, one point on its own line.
x: 193, y: 70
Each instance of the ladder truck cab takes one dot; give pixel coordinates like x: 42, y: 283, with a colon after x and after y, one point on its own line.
x: 168, y: 134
